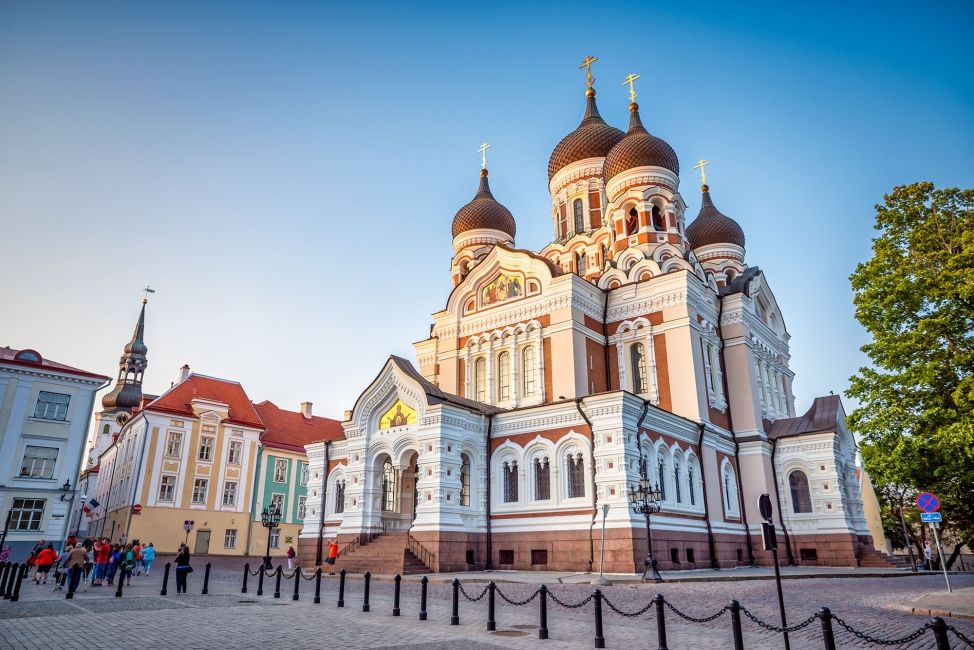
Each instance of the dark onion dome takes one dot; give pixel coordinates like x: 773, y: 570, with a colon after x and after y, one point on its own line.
x: 592, y: 139
x: 639, y: 148
x: 484, y: 212
x: 713, y: 227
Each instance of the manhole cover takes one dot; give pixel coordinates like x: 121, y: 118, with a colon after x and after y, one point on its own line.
x: 511, y: 633
x: 525, y: 627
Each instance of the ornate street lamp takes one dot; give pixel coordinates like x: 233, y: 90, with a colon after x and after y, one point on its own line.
x: 269, y: 520
x: 645, y: 500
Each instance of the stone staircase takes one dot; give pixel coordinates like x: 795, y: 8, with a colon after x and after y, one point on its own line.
x: 386, y: 554
x: 872, y: 558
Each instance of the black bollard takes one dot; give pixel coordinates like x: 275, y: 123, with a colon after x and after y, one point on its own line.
x: 246, y: 575
x: 21, y: 574
x: 165, y: 580
x: 660, y: 621
x: 825, y: 615
x: 735, y: 610
x: 543, y: 612
x: 424, y: 583
x: 297, y: 582
x: 206, y: 579
x: 395, y: 597
x: 4, y: 575
x: 260, y: 580
x: 491, y: 623
x: 277, y: 583
x: 341, y: 588
x: 121, y: 580
x: 365, y: 598
x: 939, y: 628
x: 13, y: 569
x: 74, y: 576
x: 599, y: 638
x: 455, y: 615
x: 318, y: 586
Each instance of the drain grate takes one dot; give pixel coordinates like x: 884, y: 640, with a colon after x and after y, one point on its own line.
x: 510, y: 633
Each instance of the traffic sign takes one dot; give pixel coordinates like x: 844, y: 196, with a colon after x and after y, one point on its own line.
x: 930, y: 517
x: 137, y: 508
x: 928, y: 502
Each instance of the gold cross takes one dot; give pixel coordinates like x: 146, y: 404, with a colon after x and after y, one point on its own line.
x: 632, y: 89
x: 483, y: 155
x: 587, y: 64
x: 701, y: 164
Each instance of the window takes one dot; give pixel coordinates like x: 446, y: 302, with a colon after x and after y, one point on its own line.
x: 230, y: 493
x: 637, y: 361
x: 106, y: 430
x: 605, y: 255
x: 339, y: 496
x: 691, y: 556
x: 235, y: 452
x: 230, y: 538
x: 632, y: 222
x: 206, y: 448
x: 578, y: 214
x: 280, y: 470
x: 675, y: 555
x: 167, y: 487
x: 677, y: 481
x: 562, y: 221
x: 505, y: 556
x: 690, y: 488
x: 26, y: 514
x: 174, y: 443
x: 38, y: 462
x: 480, y: 379
x: 303, y: 473
x: 276, y: 538
x: 528, y: 371
x: 510, y: 481
x: 801, y: 497
x: 277, y: 503
x: 464, y: 480
x: 576, y: 475
x: 503, y: 377
x: 302, y: 507
x: 580, y: 262
x: 808, y: 554
x: 542, y: 479
x: 661, y: 475
x: 658, y: 218
x: 539, y: 556
x: 199, y: 490
x: 388, y: 486
x: 52, y: 406
x: 730, y: 490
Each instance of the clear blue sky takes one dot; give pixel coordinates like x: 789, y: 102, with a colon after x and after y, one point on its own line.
x: 285, y: 174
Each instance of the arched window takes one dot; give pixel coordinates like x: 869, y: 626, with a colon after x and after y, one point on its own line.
x: 580, y: 263
x: 578, y: 214
x: 528, y: 371
x: 801, y: 497
x: 503, y: 376
x: 691, y: 477
x: 575, y: 467
x: 510, y: 481
x: 542, y: 479
x: 464, y: 480
x: 480, y: 379
x: 562, y: 221
x: 658, y: 218
x: 605, y: 255
x: 339, y: 496
x: 677, y: 480
x: 106, y: 429
x: 730, y: 490
x: 637, y: 362
x: 388, y: 486
x: 632, y: 222
x: 661, y: 475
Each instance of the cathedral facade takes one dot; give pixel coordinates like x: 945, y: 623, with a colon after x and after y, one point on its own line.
x: 637, y: 344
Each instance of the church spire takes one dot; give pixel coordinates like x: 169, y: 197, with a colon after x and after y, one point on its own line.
x: 127, y: 393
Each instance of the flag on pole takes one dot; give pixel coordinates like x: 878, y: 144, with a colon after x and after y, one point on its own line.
x: 91, y: 505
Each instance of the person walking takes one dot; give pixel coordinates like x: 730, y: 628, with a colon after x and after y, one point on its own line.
x: 77, y: 557
x: 127, y: 564
x: 44, y: 560
x: 183, y: 568
x: 101, y: 550
x: 137, y: 548
x: 114, y: 560
x: 148, y: 557
x: 332, y: 555
x: 290, y: 558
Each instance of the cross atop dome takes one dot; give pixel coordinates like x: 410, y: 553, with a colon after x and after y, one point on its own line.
x: 587, y: 64
x: 483, y: 154
x: 630, y: 81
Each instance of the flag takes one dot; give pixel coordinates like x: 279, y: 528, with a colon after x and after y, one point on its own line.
x: 91, y: 505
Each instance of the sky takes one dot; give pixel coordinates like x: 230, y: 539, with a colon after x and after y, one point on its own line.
x: 284, y: 175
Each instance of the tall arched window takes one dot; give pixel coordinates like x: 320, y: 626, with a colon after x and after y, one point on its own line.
x: 605, y: 255
x: 503, y: 377
x: 580, y: 263
x: 801, y: 496
x: 388, y: 486
x: 464, y: 480
x: 677, y: 480
x: 510, y: 481
x: 542, y: 479
x: 632, y: 222
x: 528, y: 371
x: 661, y: 475
x: 480, y: 379
x: 339, y: 496
x: 579, y: 216
x: 575, y: 466
x: 637, y: 362
x: 691, y: 477
x: 658, y: 218
x: 562, y: 221
x: 730, y: 490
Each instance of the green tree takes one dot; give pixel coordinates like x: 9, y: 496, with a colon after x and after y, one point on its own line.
x: 915, y: 297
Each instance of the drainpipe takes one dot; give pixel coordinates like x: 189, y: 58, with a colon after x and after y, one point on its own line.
x: 701, y: 427
x: 324, y: 503
x: 490, y: 544
x: 591, y: 528
x: 777, y: 497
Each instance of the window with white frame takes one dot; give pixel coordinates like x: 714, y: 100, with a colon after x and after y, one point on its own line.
x: 230, y: 493
x: 235, y: 452
x: 464, y: 480
x: 174, y: 443
x: 388, y: 486
x: 26, y: 514
x: 637, y: 364
x: 52, y: 406
x: 230, y: 538
x: 528, y: 371
x: 277, y: 503
x: 302, y: 507
x: 206, y: 448
x: 303, y: 473
x: 677, y: 480
x: 801, y: 496
x: 729, y: 480
x: 692, y: 472
x: 542, y: 478
x: 510, y: 481
x: 280, y: 470
x: 503, y: 377
x: 276, y: 538
x: 38, y: 462
x: 167, y: 487
x: 339, y: 496
x: 199, y: 490
x: 480, y: 379
x: 578, y: 214
x: 661, y: 475
x: 575, y: 471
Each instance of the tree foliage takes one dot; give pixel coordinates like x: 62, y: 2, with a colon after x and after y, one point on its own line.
x: 915, y: 297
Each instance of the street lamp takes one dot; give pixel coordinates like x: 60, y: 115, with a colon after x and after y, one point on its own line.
x: 645, y: 500
x: 65, y: 490
x: 270, y: 521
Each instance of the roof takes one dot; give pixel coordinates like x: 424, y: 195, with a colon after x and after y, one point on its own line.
x: 712, y: 226
x: 177, y: 400
x: 822, y: 417
x: 484, y: 212
x: 593, y: 138
x: 554, y: 268
x: 33, y: 359
x: 291, y: 430
x: 639, y: 148
x: 436, y: 396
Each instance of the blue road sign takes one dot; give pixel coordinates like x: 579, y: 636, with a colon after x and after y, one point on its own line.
x: 930, y: 517
x: 928, y: 502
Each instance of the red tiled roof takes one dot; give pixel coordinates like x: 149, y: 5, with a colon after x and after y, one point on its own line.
x: 177, y: 400
x: 9, y: 355
x: 291, y: 430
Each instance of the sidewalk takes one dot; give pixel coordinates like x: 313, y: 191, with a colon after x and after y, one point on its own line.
x: 956, y: 604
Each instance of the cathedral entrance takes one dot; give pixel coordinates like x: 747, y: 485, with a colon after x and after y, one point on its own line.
x: 398, y: 493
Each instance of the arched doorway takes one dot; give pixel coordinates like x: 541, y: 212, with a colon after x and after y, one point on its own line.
x: 398, y: 494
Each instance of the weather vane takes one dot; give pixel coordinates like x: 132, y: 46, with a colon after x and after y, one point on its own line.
x: 483, y: 155
x: 703, y: 173
x: 630, y: 80
x: 587, y: 64
x: 147, y: 291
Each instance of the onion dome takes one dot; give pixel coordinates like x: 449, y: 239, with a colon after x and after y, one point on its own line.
x: 592, y: 139
x: 639, y: 148
x: 484, y: 212
x: 127, y: 393
x: 713, y: 227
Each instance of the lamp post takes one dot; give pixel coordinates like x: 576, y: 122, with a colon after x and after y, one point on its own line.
x: 645, y: 500
x: 269, y: 520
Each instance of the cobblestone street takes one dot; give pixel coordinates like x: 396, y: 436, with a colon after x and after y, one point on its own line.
x: 45, y: 619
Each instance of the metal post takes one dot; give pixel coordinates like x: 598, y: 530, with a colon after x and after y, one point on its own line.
x: 260, y: 580
x: 940, y: 551
x: 246, y: 575
x: 73, y: 578
x: 605, y: 513
x: 395, y: 599
x: 4, y: 572
x: 7, y: 588
x: 277, y: 582
x: 424, y: 583
x: 455, y: 614
x: 599, y: 638
x: 906, y: 537
x: 341, y: 588
x: 297, y: 582
x: 543, y: 611
x: 20, y: 576
x: 825, y: 615
x: 650, y: 558
x: 781, y: 598
x: 735, y: 610
x: 165, y: 580
x: 660, y: 621
x: 365, y: 599
x: 206, y: 579
x: 318, y: 586
x: 491, y: 623
x: 121, y: 581
x: 940, y: 633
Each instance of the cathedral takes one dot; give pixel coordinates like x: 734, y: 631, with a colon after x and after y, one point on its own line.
x: 638, y: 345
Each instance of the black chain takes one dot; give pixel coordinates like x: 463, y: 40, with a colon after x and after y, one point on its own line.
x: 618, y: 611
x: 253, y: 573
x: 581, y: 603
x: 705, y: 619
x: 774, y: 628
x: 521, y: 602
x: 293, y: 573
x: 471, y: 599
x: 872, y: 639
x: 310, y: 577
x: 270, y: 573
x: 960, y: 636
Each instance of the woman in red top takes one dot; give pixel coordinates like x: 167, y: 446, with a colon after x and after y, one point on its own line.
x: 102, y: 550
x: 45, y: 560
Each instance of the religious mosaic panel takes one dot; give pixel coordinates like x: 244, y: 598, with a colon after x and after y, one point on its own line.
x: 399, y: 415
x: 504, y: 287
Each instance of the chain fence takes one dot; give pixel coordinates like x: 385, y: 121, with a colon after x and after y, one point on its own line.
x: 471, y: 598
x: 518, y: 603
x: 877, y: 641
x: 608, y: 603
x: 687, y: 617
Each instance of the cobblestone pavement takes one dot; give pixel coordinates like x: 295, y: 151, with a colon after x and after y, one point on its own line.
x: 45, y: 619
